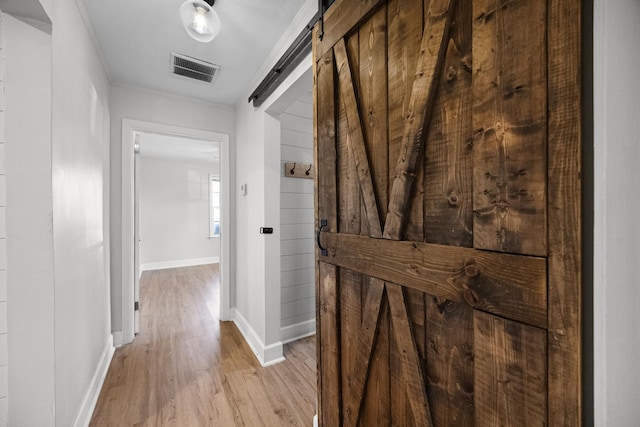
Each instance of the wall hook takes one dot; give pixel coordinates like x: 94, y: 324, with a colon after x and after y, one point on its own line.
x: 295, y: 170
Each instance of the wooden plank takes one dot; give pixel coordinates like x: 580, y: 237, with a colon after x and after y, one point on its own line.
x: 432, y: 50
x: 510, y: 120
x: 376, y: 407
x: 329, y: 408
x: 356, y: 139
x: 349, y: 207
x: 341, y: 18
x: 373, y: 101
x: 414, y: 222
x: 510, y: 373
x: 326, y: 142
x: 400, y: 403
x: 365, y: 344
x: 326, y: 208
x: 404, y: 34
x: 353, y: 53
x: 351, y: 309
x: 416, y: 306
x: 411, y: 363
x: 400, y: 407
x: 450, y: 362
x: 565, y: 224
x: 449, y: 161
x: 513, y: 286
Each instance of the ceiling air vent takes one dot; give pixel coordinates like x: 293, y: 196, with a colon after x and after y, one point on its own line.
x: 193, y: 68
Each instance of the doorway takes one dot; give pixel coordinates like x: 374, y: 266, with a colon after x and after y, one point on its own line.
x: 135, y: 131
x: 177, y: 204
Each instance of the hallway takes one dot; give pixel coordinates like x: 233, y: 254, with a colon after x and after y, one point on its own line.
x: 187, y: 368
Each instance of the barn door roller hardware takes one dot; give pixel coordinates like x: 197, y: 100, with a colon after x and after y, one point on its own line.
x: 289, y: 60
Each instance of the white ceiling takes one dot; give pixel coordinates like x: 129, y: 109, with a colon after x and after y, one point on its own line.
x: 168, y: 147
x: 136, y: 38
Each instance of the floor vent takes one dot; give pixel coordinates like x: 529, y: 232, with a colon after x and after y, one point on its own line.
x: 192, y: 68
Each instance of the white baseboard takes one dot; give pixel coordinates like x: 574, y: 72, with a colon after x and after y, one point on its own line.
x: 118, y: 338
x: 91, y: 397
x: 266, y: 355
x: 298, y: 331
x: 178, y: 263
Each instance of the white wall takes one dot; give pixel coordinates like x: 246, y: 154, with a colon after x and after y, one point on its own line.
x: 257, y: 308
x: 62, y: 314
x: 616, y: 212
x: 29, y: 233
x: 80, y: 172
x: 297, y: 259
x: 151, y: 106
x: 250, y: 248
x: 174, y: 212
x: 4, y: 353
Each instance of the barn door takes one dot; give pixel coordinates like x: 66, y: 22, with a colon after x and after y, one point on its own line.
x: 447, y: 152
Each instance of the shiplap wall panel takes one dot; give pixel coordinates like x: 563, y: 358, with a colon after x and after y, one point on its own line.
x: 3, y: 317
x: 302, y: 107
x: 296, y: 154
x: 296, y: 200
x: 295, y: 123
x: 291, y: 138
x: 288, y: 185
x: 296, y: 247
x: 301, y: 320
x: 299, y: 308
x: 293, y: 293
x: 296, y: 216
x: 3, y: 350
x: 3, y: 254
x: 3, y: 285
x: 297, y: 277
x: 296, y: 262
x: 4, y: 368
x: 3, y: 190
x: 296, y: 219
x: 296, y: 231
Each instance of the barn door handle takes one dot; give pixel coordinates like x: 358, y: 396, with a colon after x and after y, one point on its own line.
x: 323, y: 224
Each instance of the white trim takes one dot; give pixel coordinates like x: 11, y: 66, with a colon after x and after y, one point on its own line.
x: 91, y: 397
x: 129, y: 129
x: 600, y: 350
x: 315, y: 420
x: 266, y: 355
x: 179, y: 263
x: 118, y: 338
x: 298, y: 331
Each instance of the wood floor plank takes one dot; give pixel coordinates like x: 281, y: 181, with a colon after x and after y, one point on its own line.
x: 186, y: 368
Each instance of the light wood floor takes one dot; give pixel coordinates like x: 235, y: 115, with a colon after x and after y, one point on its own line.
x: 186, y: 368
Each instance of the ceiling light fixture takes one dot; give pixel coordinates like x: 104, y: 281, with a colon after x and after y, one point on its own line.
x: 199, y: 19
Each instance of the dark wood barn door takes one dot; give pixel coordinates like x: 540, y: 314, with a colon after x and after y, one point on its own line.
x: 448, y: 184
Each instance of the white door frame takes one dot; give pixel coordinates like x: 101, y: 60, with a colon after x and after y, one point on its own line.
x: 129, y: 130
